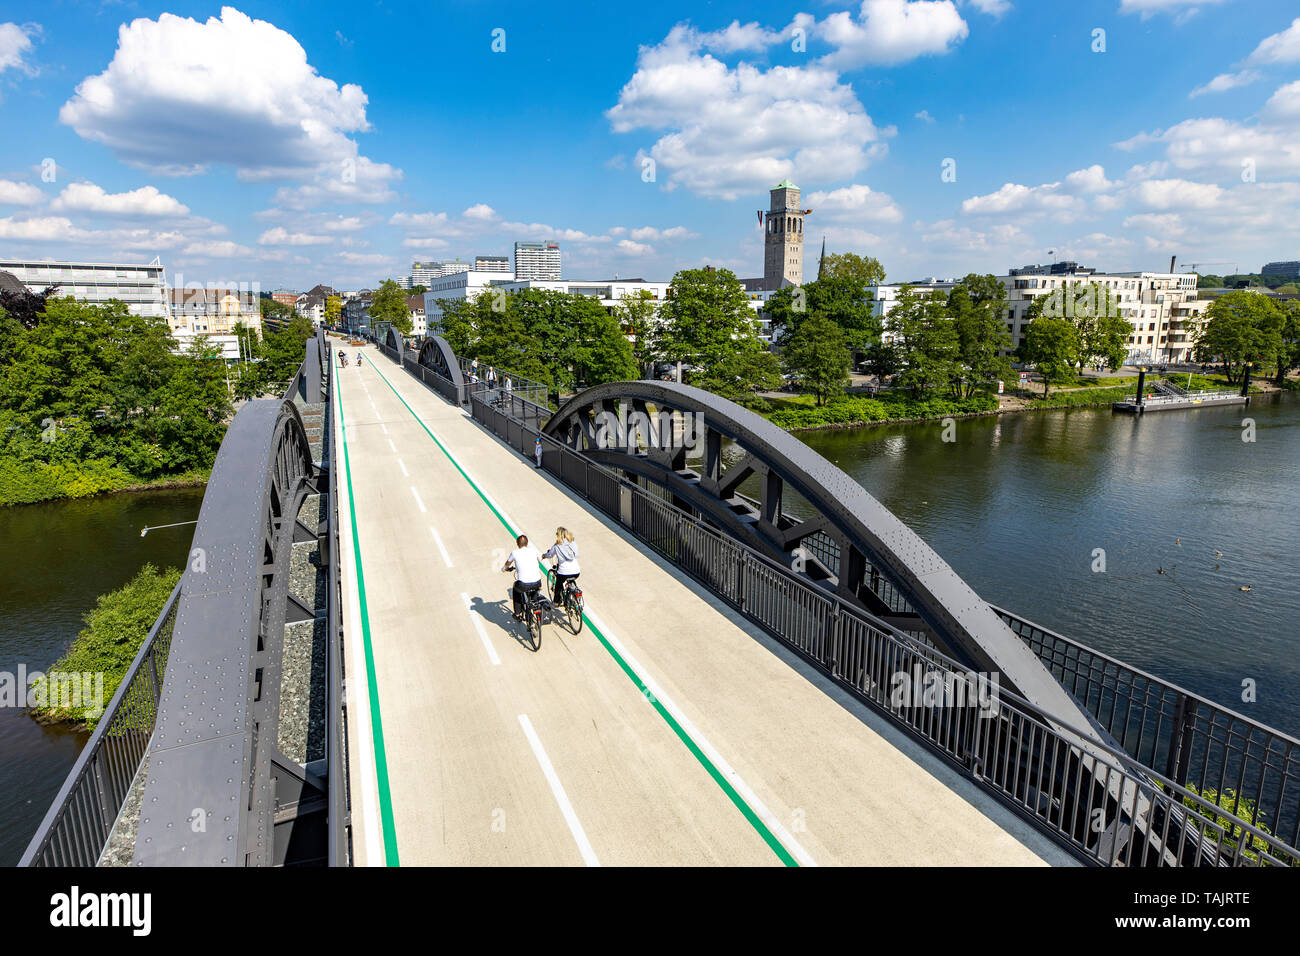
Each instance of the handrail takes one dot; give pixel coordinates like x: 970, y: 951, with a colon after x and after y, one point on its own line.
x: 528, y: 389
x: 99, y: 781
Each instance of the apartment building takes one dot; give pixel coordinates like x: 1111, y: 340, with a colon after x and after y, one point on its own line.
x: 537, y: 260
x: 195, y: 310
x: 142, y: 287
x: 492, y: 264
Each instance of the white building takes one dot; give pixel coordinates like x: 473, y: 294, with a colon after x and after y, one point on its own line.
x: 142, y: 287
x: 537, y: 260
x: 492, y: 264
x: 1162, y: 307
x: 423, y: 273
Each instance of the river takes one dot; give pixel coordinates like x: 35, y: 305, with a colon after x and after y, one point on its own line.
x: 1018, y: 505
x: 55, y: 560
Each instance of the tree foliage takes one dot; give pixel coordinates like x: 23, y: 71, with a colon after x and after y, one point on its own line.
x: 1244, y: 328
x: 817, y: 354
x: 861, y: 270
x: 389, y: 305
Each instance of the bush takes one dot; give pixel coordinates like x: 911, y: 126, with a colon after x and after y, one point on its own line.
x: 114, y: 631
x: 859, y: 410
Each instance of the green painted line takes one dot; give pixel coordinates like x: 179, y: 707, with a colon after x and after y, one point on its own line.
x: 755, y: 821
x: 376, y: 721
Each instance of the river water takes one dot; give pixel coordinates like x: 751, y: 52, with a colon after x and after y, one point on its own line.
x: 1017, y: 505
x: 55, y: 560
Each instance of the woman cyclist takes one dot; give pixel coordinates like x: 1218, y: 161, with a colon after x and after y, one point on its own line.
x: 565, y: 553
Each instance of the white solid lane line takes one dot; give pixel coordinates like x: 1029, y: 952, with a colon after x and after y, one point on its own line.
x: 566, y: 808
x: 438, y: 538
x: 423, y: 509
x: 478, y: 626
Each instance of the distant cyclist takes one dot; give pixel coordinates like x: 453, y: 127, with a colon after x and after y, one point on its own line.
x: 526, y: 563
x: 565, y: 553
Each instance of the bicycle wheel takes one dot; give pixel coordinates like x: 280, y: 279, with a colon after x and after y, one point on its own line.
x: 550, y: 584
x: 574, y: 608
x: 535, y: 627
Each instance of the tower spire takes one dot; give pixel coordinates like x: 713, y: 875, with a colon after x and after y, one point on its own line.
x: 821, y: 263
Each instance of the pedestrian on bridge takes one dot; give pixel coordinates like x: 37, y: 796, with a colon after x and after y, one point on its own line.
x: 537, y: 450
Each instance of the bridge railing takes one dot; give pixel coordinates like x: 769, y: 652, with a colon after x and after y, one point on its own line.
x: 527, y: 389
x: 1090, y: 797
x: 1203, y: 746
x: 77, y: 825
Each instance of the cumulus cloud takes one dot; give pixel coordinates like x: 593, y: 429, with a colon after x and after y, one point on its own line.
x: 180, y: 95
x: 279, y: 236
x: 145, y: 201
x: 994, y: 8
x: 1015, y: 198
x: 887, y: 32
x: 19, y: 194
x: 1090, y: 180
x: 1281, y: 47
x: 650, y: 232
x: 41, y: 229
x: 217, y: 249
x: 1218, y: 145
x: 728, y: 131
x: 924, y: 116
x: 480, y: 211
x: 16, y: 44
x: 628, y: 247
x: 1226, y: 81
x: 858, y: 202
x: 1149, y: 8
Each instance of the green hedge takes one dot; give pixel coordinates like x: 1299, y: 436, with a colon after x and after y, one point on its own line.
x: 852, y: 410
x: 27, y: 482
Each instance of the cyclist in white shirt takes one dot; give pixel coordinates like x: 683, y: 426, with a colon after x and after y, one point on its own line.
x: 565, y: 553
x: 525, y: 561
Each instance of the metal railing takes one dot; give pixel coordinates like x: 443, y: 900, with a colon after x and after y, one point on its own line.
x: 1197, y: 743
x: 77, y: 826
x: 340, y: 800
x: 1092, y: 798
x: 527, y: 389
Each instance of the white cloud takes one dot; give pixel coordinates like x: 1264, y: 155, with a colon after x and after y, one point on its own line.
x: 365, y: 258
x: 429, y: 242
x: 1226, y: 81
x: 480, y: 211
x: 628, y: 247
x: 1281, y: 47
x: 41, y: 228
x: 343, y: 224
x: 1015, y: 198
x: 887, y: 32
x: 1090, y: 180
x: 650, y: 232
x: 924, y: 116
x: 994, y: 8
x: 1176, y: 194
x: 15, y: 44
x: 217, y: 249
x: 540, y: 230
x: 1284, y: 105
x: 1151, y: 7
x: 19, y: 194
x: 858, y: 202
x: 145, y: 201
x: 180, y: 95
x: 737, y: 38
x: 419, y: 220
x: 279, y: 236
x: 728, y: 131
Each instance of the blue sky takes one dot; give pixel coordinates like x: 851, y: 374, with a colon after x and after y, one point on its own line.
x: 289, y: 144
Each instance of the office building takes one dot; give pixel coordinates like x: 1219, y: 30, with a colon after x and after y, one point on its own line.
x: 1281, y: 270
x: 537, y: 260
x: 142, y: 287
x: 422, y: 273
x: 285, y: 297
x: 491, y: 263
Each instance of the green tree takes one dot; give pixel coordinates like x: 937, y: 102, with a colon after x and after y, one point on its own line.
x: 1244, y: 328
x: 706, y: 316
x: 818, y: 355
x: 840, y: 298
x: 635, y: 315
x: 741, y: 373
x: 278, y: 311
x: 862, y: 270
x: 389, y: 305
x: 333, y: 309
x: 977, y: 306
x: 926, y: 341
x: 1051, y: 345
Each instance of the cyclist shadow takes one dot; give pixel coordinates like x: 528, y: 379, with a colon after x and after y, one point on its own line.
x: 501, y: 613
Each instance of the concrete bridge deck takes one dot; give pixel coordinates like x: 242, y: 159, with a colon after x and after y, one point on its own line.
x: 669, y: 732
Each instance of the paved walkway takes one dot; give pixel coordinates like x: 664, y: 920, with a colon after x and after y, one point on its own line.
x: 668, y: 732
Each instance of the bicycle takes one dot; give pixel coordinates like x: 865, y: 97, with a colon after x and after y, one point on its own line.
x: 537, y: 611
x: 571, y: 599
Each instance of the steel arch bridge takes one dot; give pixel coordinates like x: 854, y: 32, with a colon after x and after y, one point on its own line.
x: 801, y: 510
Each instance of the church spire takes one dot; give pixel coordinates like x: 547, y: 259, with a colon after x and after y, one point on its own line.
x: 821, y: 263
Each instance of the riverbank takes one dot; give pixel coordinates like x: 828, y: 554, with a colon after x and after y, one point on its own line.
x: 32, y: 482
x: 798, y: 414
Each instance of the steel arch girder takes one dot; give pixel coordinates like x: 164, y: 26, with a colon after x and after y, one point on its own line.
x: 961, y: 620
x: 437, y: 355
x: 394, y: 340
